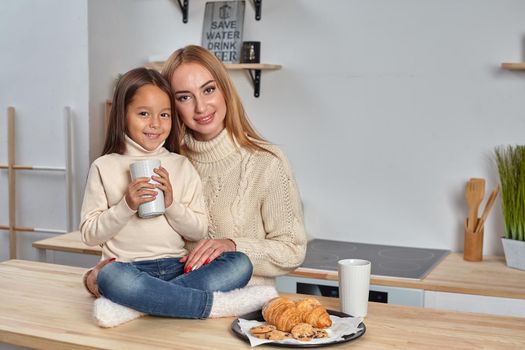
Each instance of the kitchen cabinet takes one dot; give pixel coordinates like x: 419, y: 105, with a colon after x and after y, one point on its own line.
x: 411, y: 297
x: 487, y: 286
x: 382, y: 294
x: 475, y: 303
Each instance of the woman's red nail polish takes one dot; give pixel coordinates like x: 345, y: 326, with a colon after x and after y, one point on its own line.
x: 112, y: 259
x: 207, y: 261
x: 188, y: 269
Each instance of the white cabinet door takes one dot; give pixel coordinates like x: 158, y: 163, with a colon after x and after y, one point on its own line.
x: 475, y: 303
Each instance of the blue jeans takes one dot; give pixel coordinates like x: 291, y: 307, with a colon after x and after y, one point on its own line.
x: 160, y: 287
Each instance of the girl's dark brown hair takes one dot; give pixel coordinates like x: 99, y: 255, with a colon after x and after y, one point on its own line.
x: 126, y: 88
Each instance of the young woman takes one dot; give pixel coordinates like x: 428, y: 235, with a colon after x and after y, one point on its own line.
x: 252, y: 199
x: 141, y: 266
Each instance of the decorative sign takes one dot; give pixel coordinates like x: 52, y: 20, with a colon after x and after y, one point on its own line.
x: 222, y: 29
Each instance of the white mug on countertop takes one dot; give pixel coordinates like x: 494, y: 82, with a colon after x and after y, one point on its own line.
x: 354, y: 285
x: 144, y: 168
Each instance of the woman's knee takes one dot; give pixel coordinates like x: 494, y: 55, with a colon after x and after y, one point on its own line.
x: 245, y: 262
x: 239, y: 261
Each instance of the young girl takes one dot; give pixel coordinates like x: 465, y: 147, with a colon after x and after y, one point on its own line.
x: 147, y: 274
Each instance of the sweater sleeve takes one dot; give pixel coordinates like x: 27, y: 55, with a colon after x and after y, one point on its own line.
x: 188, y: 216
x: 99, y: 222
x: 284, y: 247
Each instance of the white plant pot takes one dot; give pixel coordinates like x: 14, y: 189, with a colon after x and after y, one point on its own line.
x: 514, y: 253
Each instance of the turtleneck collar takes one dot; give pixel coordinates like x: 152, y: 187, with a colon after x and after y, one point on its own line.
x: 216, y: 149
x: 136, y: 150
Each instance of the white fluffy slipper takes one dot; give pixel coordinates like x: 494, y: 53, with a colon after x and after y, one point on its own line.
x: 109, y: 314
x: 241, y: 301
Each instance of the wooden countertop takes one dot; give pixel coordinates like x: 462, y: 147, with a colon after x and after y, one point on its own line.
x: 45, y: 306
x: 490, y: 277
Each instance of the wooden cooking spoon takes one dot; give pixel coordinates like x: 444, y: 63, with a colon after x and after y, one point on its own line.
x: 474, y: 192
x: 487, y: 208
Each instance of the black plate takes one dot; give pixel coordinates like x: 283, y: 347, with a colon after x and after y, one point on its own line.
x: 257, y: 316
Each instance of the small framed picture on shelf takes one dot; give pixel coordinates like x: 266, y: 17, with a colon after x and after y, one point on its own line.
x: 222, y: 29
x: 251, y: 52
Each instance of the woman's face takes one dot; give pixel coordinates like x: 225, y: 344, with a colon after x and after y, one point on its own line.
x: 148, y: 117
x: 199, y: 102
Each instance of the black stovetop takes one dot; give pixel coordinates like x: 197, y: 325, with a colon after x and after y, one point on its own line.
x: 387, y: 261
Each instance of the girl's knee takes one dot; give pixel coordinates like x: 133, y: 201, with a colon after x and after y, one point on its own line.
x: 115, y: 277
x: 107, y: 272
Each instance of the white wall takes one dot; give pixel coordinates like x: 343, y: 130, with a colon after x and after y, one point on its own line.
x: 385, y: 108
x: 43, y: 68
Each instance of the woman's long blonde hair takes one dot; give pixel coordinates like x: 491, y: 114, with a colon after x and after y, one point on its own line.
x: 236, y: 120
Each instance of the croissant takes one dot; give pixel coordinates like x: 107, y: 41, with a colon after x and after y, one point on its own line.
x: 284, y: 314
x: 314, y: 313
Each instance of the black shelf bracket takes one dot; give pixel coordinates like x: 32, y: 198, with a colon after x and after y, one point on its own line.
x: 184, y: 8
x: 258, y: 6
x: 255, y: 75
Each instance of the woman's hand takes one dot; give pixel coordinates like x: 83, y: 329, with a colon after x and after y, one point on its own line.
x: 91, y: 278
x: 140, y: 191
x: 164, y: 184
x: 206, y: 251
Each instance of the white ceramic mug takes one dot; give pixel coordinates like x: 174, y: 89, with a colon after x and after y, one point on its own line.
x: 354, y: 285
x: 144, y: 168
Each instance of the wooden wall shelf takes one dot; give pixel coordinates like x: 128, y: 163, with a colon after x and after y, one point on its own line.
x: 253, y: 69
x: 261, y: 66
x: 513, y: 66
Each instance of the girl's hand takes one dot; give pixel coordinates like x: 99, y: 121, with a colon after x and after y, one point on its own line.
x: 91, y: 278
x: 206, y: 251
x: 140, y: 191
x: 164, y: 184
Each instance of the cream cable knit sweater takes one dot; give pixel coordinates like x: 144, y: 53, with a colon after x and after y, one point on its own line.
x: 252, y: 198
x: 107, y: 219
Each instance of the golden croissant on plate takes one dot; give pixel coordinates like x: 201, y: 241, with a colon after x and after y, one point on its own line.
x: 284, y: 313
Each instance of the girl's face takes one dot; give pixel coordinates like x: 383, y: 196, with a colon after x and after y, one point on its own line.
x: 148, y: 117
x: 199, y: 102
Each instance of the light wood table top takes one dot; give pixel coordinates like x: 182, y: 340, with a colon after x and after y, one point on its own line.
x: 68, y: 242
x: 490, y: 277
x: 45, y: 306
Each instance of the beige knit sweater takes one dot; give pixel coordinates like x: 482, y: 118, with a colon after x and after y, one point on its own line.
x: 252, y: 198
x: 106, y: 218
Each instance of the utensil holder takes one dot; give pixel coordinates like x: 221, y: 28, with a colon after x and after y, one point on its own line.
x: 473, y: 244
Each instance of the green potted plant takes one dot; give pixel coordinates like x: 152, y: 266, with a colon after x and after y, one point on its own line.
x: 510, y: 161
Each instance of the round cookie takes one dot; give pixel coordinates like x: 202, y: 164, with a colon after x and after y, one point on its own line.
x: 262, y: 329
x: 277, y: 335
x: 303, y: 332
x: 320, y: 333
